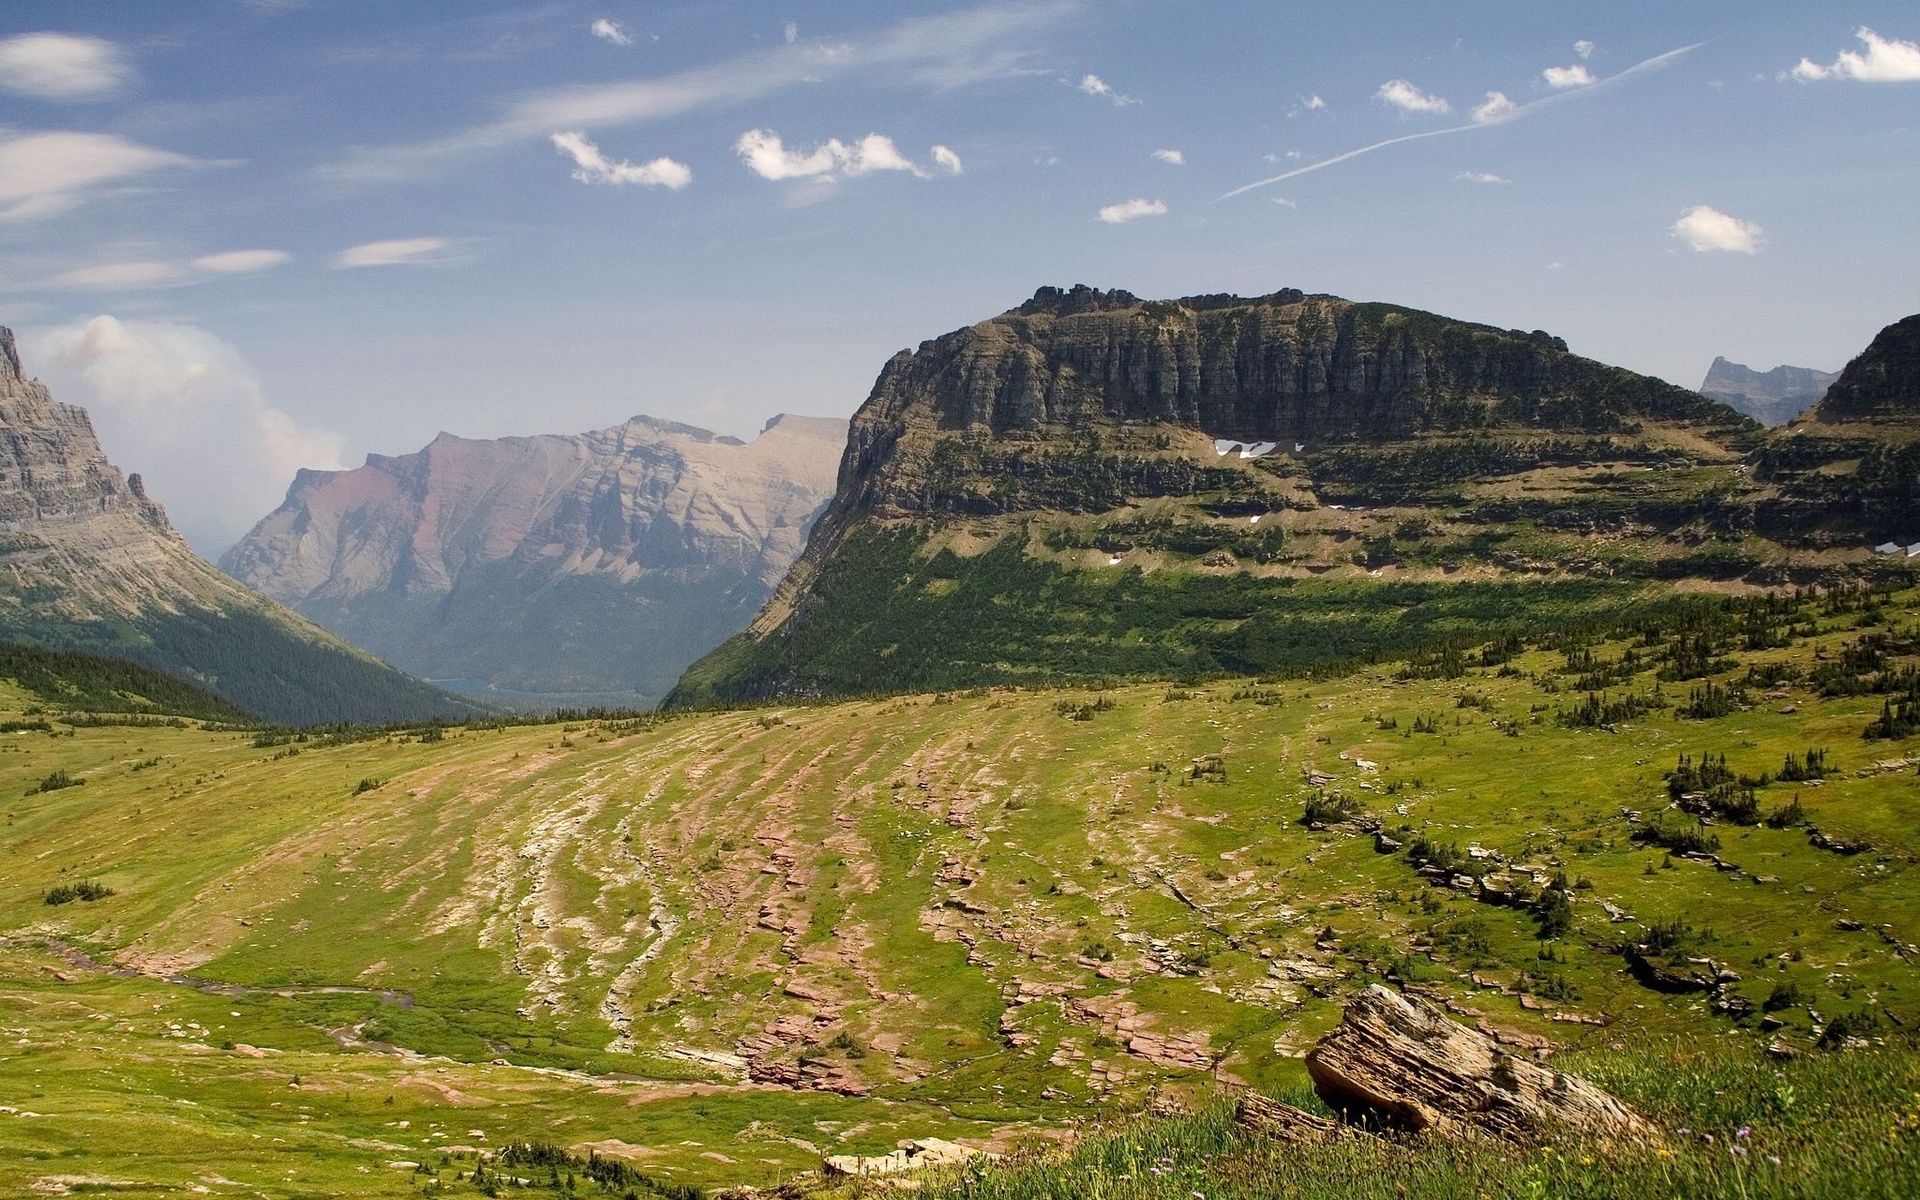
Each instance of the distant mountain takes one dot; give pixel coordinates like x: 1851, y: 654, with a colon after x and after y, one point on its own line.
x: 88, y: 562
x: 585, y: 569
x: 1770, y: 397
x: 1094, y: 486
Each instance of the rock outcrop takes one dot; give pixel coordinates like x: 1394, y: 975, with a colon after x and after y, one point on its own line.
x: 1398, y: 1066
x: 89, y: 562
x: 1770, y: 397
x: 567, y: 569
x: 1396, y: 1062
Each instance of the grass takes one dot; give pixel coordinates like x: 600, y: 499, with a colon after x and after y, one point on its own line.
x: 646, y: 932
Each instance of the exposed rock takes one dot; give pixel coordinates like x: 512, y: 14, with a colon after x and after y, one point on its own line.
x: 88, y: 561
x: 916, y: 1155
x: 598, y: 564
x: 1769, y: 397
x: 1399, y: 1063
x: 1262, y: 1115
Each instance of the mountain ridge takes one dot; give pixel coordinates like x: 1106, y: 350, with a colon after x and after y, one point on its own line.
x: 1772, y: 397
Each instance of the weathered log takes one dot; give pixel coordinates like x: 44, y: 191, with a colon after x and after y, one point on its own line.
x: 1396, y: 1063
x: 1270, y: 1118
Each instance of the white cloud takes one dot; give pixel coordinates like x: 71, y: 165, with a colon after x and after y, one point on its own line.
x: 1481, y: 177
x: 611, y: 31
x: 1171, y: 157
x: 1706, y: 228
x: 1093, y: 85
x: 62, y: 66
x: 1574, y: 76
x: 770, y: 159
x: 947, y: 160
x: 792, y: 32
x: 595, y: 167
x: 1495, y: 109
x: 1408, y: 98
x: 421, y: 251
x: 182, y: 407
x: 1885, y: 61
x: 45, y: 174
x: 1313, y: 103
x: 1131, y: 210
x: 1283, y: 202
x: 1584, y: 48
x: 241, y: 262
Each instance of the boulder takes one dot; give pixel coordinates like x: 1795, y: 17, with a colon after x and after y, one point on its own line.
x: 1400, y: 1064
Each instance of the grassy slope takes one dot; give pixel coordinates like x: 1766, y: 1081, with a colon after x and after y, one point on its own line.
x: 645, y: 899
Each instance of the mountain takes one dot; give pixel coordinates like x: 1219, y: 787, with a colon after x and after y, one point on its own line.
x: 89, y: 563
x: 1769, y: 397
x: 1852, y: 462
x: 1094, y: 486
x: 585, y: 569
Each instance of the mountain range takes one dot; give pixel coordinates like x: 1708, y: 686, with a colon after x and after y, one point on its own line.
x: 551, y: 570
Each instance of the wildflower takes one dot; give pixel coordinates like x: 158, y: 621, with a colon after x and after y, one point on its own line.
x: 1744, y: 1132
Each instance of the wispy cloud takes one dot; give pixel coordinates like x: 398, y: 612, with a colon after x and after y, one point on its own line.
x: 1884, y: 61
x: 1574, y: 76
x: 767, y: 157
x: 1705, y: 229
x: 947, y: 160
x: 45, y: 174
x: 1481, y: 177
x: 396, y: 252
x: 1131, y: 210
x: 1584, y: 48
x: 1093, y: 85
x: 591, y: 166
x: 1171, y: 157
x: 951, y: 49
x: 1498, y: 108
x: 608, y: 30
x: 1410, y: 99
x: 62, y: 66
x: 791, y: 32
x: 242, y: 262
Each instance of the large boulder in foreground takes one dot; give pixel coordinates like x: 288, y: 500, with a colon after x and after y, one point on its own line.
x: 1398, y: 1063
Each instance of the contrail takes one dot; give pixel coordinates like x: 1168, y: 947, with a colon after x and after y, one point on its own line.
x: 1514, y: 114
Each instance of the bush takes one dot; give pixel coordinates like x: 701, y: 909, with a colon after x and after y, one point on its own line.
x: 87, y: 889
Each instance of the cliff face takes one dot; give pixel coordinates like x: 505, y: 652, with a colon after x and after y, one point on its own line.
x: 587, y: 568
x: 88, y: 562
x: 1770, y: 397
x: 1228, y: 448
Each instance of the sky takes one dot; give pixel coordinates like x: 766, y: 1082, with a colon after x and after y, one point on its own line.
x: 253, y: 236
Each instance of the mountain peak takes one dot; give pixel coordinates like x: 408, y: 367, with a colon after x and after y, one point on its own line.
x: 1882, y: 383
x: 9, y: 356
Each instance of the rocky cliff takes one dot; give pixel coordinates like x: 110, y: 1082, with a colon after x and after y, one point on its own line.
x: 1094, y: 485
x: 587, y: 569
x: 1770, y: 397
x: 89, y: 562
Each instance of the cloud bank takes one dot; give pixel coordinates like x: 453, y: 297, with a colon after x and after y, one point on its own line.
x: 182, y: 407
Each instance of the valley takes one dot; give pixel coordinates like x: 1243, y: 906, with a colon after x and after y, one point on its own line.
x: 722, y: 945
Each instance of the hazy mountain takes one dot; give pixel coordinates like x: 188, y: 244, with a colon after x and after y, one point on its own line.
x: 582, y: 569
x: 1769, y: 397
x: 89, y: 562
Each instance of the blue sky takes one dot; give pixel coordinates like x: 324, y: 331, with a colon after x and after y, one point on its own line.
x: 257, y: 235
